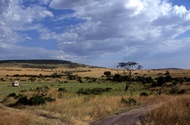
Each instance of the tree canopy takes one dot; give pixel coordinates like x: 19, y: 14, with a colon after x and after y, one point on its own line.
x: 129, y: 66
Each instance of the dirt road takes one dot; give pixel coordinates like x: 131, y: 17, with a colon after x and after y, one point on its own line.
x: 127, y: 118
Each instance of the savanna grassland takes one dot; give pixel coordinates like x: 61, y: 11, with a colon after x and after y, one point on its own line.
x: 58, y: 93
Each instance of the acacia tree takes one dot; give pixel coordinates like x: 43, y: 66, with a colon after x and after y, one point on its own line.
x: 130, y: 67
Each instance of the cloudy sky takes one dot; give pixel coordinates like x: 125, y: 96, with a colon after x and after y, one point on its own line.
x: 154, y: 33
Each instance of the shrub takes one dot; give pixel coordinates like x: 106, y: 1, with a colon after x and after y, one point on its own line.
x: 144, y: 94
x: 94, y: 91
x: 141, y: 79
x: 129, y: 101
x: 65, y: 82
x: 179, y: 80
x: 79, y: 79
x: 84, y: 91
x: 22, y: 100
x: 160, y: 81
x: 32, y: 79
x: 55, y: 75
x: 123, y: 101
x: 36, y: 100
x: 149, y: 79
x: 42, y: 90
x: 181, y: 91
x: 108, y: 89
x: 107, y: 73
x: 62, y: 90
x: 1, y: 79
x: 174, y: 90
x: 12, y: 95
x: 117, y: 78
x: 49, y: 99
x: 168, y: 78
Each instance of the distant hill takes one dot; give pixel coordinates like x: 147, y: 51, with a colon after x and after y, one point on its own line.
x: 41, y: 63
x: 168, y: 69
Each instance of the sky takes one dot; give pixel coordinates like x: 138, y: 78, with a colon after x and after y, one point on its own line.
x: 153, y: 33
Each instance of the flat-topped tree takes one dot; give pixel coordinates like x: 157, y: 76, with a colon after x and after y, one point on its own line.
x: 130, y: 67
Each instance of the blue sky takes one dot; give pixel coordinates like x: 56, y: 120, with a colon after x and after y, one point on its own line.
x: 154, y: 33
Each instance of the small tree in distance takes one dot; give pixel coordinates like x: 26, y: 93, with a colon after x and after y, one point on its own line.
x: 107, y: 74
x: 130, y: 67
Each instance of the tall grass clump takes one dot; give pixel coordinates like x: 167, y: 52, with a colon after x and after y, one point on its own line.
x: 175, y: 112
x: 83, y: 109
x: 9, y: 117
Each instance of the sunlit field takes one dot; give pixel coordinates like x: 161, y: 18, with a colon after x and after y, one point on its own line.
x: 176, y: 111
x: 80, y: 95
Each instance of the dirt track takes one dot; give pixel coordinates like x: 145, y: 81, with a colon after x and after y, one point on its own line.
x: 127, y: 118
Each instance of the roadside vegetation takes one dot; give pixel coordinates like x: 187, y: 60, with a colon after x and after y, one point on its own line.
x: 81, y: 95
x: 174, y: 112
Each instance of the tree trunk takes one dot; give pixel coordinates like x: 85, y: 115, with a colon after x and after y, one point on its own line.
x: 129, y: 81
x: 126, y: 87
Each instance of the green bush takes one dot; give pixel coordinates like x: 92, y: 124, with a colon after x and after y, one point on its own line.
x: 144, y: 94
x: 94, y: 91
x: 107, y: 73
x: 49, y: 99
x: 62, y: 90
x: 79, y: 79
x: 160, y: 81
x: 22, y: 100
x: 36, y: 100
x: 65, y: 82
x: 12, y: 95
x: 84, y: 91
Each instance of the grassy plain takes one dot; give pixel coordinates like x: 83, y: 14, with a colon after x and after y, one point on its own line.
x: 175, y: 112
x: 71, y: 108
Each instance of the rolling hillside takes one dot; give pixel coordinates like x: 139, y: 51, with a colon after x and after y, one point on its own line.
x: 41, y: 63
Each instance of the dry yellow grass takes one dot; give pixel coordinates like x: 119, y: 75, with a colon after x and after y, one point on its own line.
x: 87, y: 71
x: 175, y: 112
x: 22, y: 71
x: 13, y: 117
x: 80, y: 110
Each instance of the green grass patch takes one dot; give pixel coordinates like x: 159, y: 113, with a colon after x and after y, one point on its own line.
x: 116, y: 88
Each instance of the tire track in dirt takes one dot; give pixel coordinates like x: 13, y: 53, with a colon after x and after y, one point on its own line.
x: 127, y: 118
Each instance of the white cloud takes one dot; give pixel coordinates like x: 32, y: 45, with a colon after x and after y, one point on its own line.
x: 120, y: 19
x: 7, y: 35
x: 135, y: 5
x: 173, y: 46
x: 15, y: 18
x: 11, y: 51
x: 119, y: 26
x: 114, y: 30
